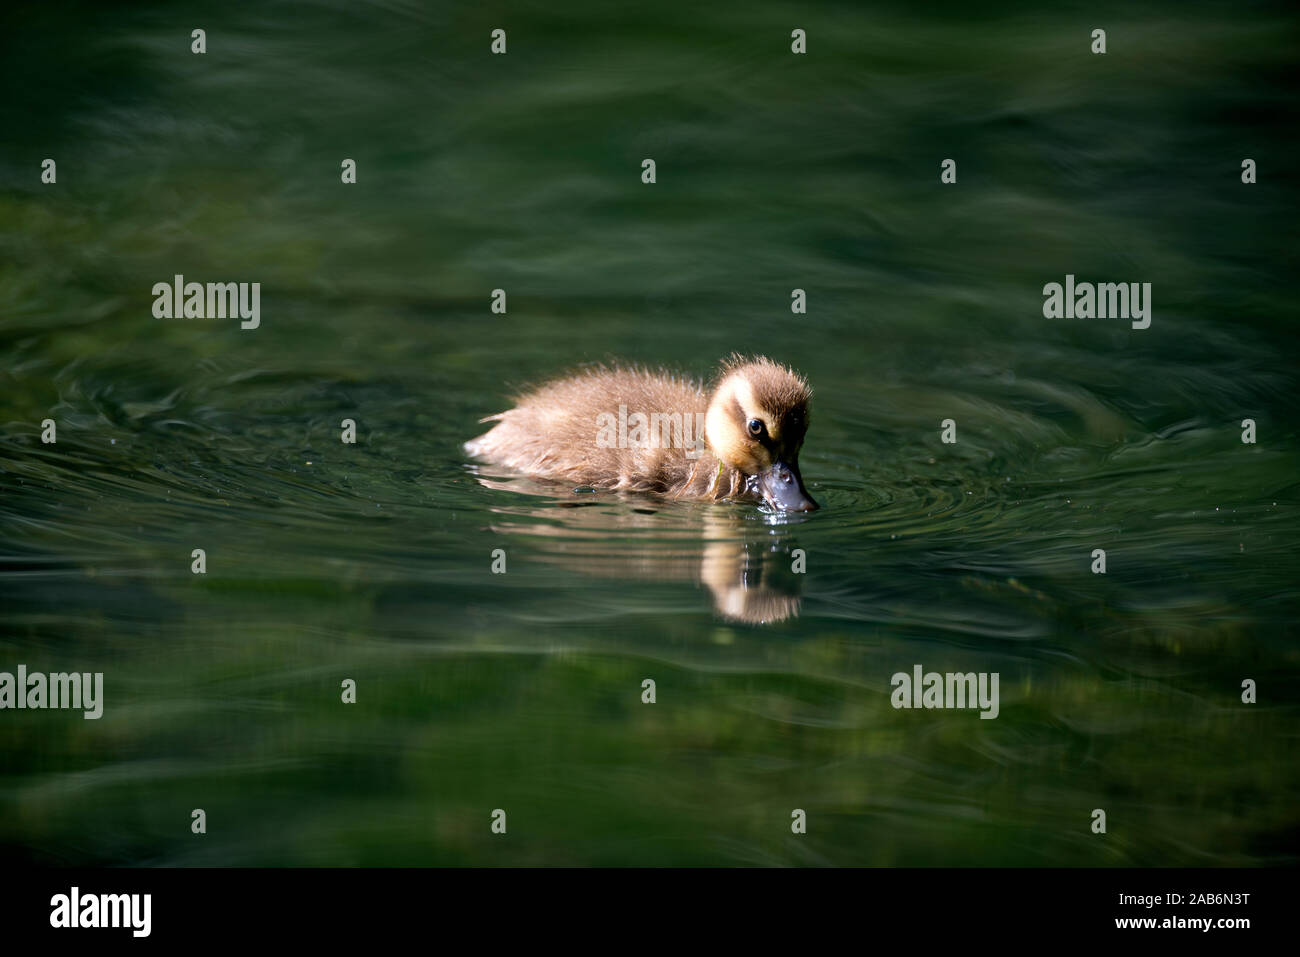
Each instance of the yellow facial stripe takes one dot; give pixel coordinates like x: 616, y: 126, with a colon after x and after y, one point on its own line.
x: 744, y: 393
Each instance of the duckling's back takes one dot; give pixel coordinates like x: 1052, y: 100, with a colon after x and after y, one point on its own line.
x: 555, y: 431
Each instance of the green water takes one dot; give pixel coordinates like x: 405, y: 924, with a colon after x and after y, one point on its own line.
x: 522, y: 691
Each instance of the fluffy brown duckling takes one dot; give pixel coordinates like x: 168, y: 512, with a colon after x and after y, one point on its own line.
x: 633, y: 429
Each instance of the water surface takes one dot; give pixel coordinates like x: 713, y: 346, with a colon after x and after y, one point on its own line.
x: 522, y: 691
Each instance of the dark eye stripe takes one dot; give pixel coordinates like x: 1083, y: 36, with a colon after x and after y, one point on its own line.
x: 736, y: 410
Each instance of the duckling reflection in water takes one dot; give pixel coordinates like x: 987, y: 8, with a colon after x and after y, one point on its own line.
x: 755, y: 418
x: 746, y: 568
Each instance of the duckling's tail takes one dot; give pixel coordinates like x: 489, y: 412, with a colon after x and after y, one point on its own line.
x: 478, y: 448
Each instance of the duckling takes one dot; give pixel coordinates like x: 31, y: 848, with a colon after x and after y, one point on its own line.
x: 754, y: 420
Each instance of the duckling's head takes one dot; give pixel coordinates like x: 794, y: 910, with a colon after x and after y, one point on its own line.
x: 758, y: 415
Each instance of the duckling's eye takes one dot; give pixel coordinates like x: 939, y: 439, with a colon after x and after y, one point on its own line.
x: 755, y: 427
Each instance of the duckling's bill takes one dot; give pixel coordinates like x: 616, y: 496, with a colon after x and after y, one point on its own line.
x: 782, y: 488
